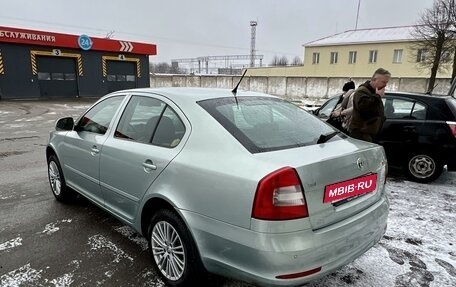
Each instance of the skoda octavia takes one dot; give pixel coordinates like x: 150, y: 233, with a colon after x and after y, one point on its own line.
x: 245, y: 185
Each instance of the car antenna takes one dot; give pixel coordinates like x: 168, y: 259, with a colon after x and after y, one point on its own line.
x: 234, y: 91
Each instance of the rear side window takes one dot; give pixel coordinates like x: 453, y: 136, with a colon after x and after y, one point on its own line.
x: 140, y: 119
x: 396, y: 108
x: 266, y: 124
x: 149, y: 120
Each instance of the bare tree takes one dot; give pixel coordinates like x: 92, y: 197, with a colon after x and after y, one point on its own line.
x: 164, y: 68
x: 453, y: 75
x: 279, y: 61
x: 296, y: 61
x: 435, y: 37
x: 452, y: 9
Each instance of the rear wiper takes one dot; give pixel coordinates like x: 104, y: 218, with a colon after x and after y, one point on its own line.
x: 325, y: 138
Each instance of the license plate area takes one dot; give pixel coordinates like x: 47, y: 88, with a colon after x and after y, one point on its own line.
x: 350, y: 188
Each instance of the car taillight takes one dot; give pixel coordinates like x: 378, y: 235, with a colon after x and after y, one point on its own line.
x: 452, y: 126
x: 279, y: 196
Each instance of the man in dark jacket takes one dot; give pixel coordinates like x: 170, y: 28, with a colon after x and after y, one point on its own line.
x: 368, y: 115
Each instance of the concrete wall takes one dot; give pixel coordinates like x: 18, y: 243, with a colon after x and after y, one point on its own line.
x: 306, y: 89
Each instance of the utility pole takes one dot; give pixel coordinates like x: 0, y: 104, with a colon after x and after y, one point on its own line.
x: 253, y: 25
x: 357, y: 15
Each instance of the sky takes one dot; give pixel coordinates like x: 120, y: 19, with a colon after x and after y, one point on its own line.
x: 188, y: 29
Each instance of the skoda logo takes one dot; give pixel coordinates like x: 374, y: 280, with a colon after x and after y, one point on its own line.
x: 360, y: 163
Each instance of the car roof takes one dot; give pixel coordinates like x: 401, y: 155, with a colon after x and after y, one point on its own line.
x: 418, y: 96
x: 185, y: 94
x: 410, y: 95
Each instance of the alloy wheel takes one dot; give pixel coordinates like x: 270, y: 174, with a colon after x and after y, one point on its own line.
x: 168, y: 250
x: 54, y: 178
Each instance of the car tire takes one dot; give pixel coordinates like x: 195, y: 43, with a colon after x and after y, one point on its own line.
x: 57, y: 181
x: 423, y: 167
x: 170, y: 243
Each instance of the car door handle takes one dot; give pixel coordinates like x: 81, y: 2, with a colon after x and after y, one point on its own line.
x: 94, y: 150
x: 409, y: 129
x: 149, y: 165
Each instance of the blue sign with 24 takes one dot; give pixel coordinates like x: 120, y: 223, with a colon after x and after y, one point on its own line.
x: 85, y: 42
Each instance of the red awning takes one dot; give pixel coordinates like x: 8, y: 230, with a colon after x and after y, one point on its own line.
x: 84, y: 42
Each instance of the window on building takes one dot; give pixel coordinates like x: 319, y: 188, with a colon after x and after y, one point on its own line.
x: 315, y: 58
x: 70, y: 76
x: 57, y: 76
x: 397, y: 56
x: 352, y: 57
x: 334, y: 56
x: 44, y: 76
x: 373, y: 56
x: 446, y: 54
x: 421, y: 55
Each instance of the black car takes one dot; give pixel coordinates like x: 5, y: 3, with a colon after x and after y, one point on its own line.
x: 419, y: 134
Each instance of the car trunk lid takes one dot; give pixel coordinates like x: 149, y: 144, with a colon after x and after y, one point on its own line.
x: 330, y: 176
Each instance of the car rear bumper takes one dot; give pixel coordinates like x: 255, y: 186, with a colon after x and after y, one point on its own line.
x: 261, y: 257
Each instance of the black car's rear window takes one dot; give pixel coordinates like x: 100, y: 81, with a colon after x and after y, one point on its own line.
x: 263, y: 124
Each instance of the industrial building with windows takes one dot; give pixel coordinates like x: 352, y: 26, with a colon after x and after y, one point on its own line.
x: 357, y: 53
x: 36, y: 64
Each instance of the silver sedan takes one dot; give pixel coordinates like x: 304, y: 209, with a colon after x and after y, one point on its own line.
x: 244, y: 185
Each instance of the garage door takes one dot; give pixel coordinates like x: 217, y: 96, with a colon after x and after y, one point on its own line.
x: 57, y: 76
x: 121, y: 75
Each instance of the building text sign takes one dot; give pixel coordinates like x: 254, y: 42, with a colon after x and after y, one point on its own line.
x: 27, y: 36
x: 81, y: 42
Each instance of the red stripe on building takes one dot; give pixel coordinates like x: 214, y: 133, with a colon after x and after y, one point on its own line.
x: 50, y: 39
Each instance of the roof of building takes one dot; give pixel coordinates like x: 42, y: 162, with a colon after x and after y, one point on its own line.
x: 364, y: 36
x: 83, y: 42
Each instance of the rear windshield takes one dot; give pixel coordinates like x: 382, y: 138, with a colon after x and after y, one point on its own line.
x: 263, y: 124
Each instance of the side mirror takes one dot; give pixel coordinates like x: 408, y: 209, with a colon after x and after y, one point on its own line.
x: 64, y: 124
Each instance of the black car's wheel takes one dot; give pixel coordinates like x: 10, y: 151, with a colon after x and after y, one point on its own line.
x: 57, y: 181
x: 173, y: 250
x: 423, y: 167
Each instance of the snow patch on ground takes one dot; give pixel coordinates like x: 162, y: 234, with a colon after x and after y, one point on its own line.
x: 52, y: 227
x: 24, y: 132
x: 24, y: 275
x: 99, y: 242
x: 11, y: 243
x: 35, y: 119
x: 64, y: 281
x: 133, y: 236
x: 418, y: 249
x: 152, y: 280
x: 14, y: 126
x: 109, y: 273
x: 71, y: 107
